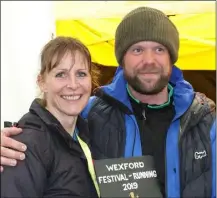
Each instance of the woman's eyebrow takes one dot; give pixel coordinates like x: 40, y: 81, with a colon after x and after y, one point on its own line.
x: 61, y: 69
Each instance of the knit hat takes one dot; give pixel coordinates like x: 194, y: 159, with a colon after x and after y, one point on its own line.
x: 146, y: 24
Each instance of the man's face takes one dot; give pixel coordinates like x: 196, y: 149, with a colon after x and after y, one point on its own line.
x: 147, y: 67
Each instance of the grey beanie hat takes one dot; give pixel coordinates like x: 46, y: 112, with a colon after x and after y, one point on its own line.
x: 146, y: 24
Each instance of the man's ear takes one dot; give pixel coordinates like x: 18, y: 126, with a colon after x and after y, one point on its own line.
x: 41, y: 83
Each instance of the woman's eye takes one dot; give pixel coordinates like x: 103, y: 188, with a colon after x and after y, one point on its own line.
x: 81, y: 74
x: 60, y: 75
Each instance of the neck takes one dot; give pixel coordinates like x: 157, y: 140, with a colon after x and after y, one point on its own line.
x: 155, y: 99
x: 68, y: 122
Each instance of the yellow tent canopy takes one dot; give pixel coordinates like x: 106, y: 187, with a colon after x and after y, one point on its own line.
x: 196, y: 26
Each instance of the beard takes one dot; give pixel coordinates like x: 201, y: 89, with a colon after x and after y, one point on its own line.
x: 147, y: 87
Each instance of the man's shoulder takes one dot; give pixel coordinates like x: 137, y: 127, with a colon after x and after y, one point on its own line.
x: 88, y: 107
x: 95, y: 104
x: 201, y: 110
x: 202, y: 102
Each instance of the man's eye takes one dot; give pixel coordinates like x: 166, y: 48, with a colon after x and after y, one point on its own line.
x: 137, y: 50
x: 60, y: 75
x: 160, y: 49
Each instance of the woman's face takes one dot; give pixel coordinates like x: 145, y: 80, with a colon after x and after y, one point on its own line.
x: 67, y: 87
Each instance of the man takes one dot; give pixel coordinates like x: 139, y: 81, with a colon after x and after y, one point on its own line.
x: 149, y: 109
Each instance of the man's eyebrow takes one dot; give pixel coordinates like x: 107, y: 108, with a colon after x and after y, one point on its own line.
x: 136, y: 45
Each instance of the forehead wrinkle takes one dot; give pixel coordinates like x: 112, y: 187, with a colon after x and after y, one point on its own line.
x: 77, y: 59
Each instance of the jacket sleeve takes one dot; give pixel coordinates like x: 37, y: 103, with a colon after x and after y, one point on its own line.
x: 213, y: 141
x: 28, y: 177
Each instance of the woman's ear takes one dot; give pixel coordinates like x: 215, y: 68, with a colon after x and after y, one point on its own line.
x: 41, y: 83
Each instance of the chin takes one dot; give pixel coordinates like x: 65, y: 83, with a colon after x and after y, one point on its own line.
x: 72, y: 113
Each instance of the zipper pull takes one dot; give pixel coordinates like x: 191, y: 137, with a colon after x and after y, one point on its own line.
x: 144, y: 114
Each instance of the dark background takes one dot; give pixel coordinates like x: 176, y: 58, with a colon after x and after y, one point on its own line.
x: 203, y: 81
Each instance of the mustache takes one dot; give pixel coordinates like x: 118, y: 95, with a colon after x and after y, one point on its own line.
x: 149, y: 69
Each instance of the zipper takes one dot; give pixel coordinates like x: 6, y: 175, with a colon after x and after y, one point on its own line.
x: 143, y: 122
x: 136, y: 128
x: 68, y: 139
x: 166, y: 184
x: 165, y: 158
x: 134, y: 133
x: 144, y: 114
x: 143, y: 126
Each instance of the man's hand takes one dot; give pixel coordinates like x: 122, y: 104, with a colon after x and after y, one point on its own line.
x: 11, y: 150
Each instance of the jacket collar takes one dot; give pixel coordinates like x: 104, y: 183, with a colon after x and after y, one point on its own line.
x: 50, y: 120
x: 183, y: 92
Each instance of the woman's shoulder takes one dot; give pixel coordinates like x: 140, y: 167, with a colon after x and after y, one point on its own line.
x: 32, y: 122
x: 34, y: 130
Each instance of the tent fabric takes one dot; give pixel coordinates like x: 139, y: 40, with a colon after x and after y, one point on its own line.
x: 197, y: 38
x: 117, y: 9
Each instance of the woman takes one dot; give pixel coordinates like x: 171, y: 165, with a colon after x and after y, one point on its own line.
x: 53, y: 131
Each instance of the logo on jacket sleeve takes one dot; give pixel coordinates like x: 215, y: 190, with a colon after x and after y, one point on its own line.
x: 200, y: 155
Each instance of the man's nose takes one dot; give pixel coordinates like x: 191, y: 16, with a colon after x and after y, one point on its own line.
x: 148, y: 57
